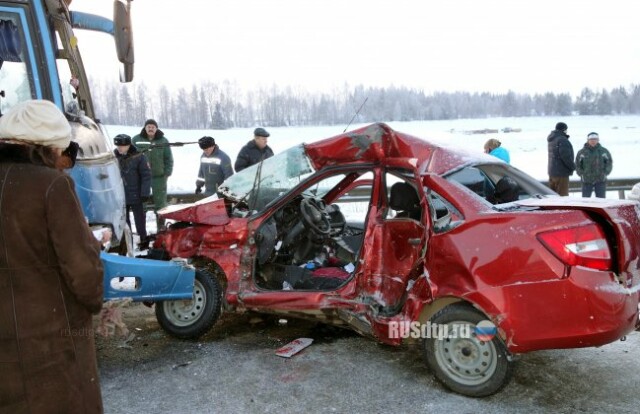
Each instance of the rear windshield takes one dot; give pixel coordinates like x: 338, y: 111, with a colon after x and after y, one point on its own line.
x: 498, y: 183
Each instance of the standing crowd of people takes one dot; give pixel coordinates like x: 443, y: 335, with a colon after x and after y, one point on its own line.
x: 146, y: 163
x: 593, y: 162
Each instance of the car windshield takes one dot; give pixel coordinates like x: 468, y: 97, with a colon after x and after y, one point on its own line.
x: 260, y: 184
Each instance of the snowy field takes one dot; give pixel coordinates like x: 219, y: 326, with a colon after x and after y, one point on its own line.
x: 528, y: 148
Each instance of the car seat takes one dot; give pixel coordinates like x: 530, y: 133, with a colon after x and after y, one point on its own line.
x: 404, y: 199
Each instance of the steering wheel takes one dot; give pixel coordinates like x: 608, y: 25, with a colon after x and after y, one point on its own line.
x: 314, y: 216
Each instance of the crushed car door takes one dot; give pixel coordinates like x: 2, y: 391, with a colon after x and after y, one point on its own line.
x: 398, y: 238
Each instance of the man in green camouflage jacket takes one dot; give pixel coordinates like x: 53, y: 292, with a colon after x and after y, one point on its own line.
x: 152, y: 141
x: 593, y: 165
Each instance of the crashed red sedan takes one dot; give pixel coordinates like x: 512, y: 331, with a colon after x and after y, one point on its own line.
x: 400, y: 239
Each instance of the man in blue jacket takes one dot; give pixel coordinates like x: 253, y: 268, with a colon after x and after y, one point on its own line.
x: 215, y: 167
x: 136, y: 177
x: 561, y: 165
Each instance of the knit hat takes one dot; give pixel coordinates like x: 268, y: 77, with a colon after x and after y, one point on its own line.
x: 151, y: 121
x: 36, y: 122
x: 260, y: 132
x: 561, y: 126
x: 593, y: 135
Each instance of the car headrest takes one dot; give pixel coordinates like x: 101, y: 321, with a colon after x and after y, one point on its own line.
x: 507, y: 190
x: 404, y: 197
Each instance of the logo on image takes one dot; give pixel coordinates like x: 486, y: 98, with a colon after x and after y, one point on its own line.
x: 485, y: 330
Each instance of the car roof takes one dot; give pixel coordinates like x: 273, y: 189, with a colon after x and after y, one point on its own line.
x: 379, y: 142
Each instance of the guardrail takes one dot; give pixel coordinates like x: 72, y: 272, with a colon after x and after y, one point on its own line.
x: 621, y: 185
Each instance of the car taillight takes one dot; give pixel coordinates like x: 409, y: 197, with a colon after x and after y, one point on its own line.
x: 579, y: 246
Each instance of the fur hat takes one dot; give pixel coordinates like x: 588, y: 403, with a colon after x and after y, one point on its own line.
x: 122, y: 139
x: 37, y: 122
x: 561, y: 126
x: 151, y: 121
x: 492, y: 144
x: 593, y: 135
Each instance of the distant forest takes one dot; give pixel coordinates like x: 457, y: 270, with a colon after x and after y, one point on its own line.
x: 225, y: 105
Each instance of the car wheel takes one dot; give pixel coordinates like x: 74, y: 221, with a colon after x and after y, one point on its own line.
x: 192, y: 318
x: 463, y: 362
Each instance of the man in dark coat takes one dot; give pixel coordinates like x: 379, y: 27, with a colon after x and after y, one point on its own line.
x: 161, y: 161
x: 50, y: 271
x: 215, y: 167
x: 254, y: 151
x: 136, y: 178
x: 593, y: 165
x: 561, y: 165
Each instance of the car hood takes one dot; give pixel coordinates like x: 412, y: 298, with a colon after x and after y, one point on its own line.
x: 211, y: 211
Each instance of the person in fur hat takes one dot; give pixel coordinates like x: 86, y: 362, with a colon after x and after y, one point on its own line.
x: 50, y: 271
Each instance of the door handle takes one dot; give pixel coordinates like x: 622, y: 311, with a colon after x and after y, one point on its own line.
x: 414, y: 242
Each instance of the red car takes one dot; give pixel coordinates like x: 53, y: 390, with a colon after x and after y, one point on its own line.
x: 401, y: 239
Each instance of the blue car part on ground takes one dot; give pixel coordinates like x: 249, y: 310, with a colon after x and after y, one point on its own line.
x: 145, y: 279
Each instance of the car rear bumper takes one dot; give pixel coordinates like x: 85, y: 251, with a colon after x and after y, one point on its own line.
x: 587, y: 309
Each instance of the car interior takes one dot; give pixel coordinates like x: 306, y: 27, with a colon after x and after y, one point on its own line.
x: 313, y: 241
x: 310, y: 243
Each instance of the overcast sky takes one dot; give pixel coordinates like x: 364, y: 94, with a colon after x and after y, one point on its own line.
x: 446, y: 45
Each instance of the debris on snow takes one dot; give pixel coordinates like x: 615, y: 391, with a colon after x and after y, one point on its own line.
x: 293, y: 347
x: 184, y: 364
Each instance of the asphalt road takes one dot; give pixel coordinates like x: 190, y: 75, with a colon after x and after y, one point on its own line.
x: 234, y: 369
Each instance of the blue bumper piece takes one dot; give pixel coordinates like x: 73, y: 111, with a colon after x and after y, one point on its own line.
x: 146, y: 279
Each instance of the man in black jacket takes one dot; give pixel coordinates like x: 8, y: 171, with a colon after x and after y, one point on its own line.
x: 255, y: 151
x: 561, y: 161
x: 136, y: 177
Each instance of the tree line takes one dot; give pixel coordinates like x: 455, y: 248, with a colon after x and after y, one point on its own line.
x: 223, y: 105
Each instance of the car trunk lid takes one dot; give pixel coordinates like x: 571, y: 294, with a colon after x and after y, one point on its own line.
x: 621, y: 219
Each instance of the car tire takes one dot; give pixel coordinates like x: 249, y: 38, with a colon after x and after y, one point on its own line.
x: 469, y: 366
x: 192, y: 318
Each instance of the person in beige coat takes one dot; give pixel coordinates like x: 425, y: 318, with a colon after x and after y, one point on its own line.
x: 50, y: 271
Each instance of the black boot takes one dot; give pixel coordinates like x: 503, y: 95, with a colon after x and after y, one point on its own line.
x: 144, y: 243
